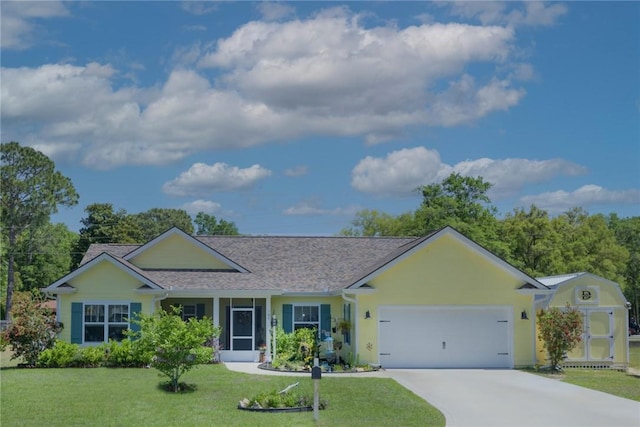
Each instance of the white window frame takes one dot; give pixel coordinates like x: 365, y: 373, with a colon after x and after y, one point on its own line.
x: 303, y: 305
x: 105, y: 322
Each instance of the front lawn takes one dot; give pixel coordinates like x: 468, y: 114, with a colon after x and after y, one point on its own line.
x: 112, y: 396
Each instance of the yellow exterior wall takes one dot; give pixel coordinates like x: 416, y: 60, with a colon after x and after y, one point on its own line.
x: 610, y: 297
x: 336, y: 313
x: 446, y: 272
x: 178, y: 252
x: 103, y: 282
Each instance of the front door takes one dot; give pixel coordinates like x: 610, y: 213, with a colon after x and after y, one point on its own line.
x: 242, y: 332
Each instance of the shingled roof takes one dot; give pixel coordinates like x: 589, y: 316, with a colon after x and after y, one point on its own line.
x: 289, y: 264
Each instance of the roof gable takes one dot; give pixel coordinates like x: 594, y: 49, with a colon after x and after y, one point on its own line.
x: 177, y: 250
x: 121, y: 264
x: 411, y: 248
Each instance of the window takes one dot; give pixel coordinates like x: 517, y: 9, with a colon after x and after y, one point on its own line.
x: 306, y: 316
x: 189, y: 311
x: 104, y: 322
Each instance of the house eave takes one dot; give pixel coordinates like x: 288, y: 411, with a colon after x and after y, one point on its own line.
x: 286, y: 293
x: 222, y: 293
x: 59, y: 290
x: 364, y: 290
x: 530, y: 291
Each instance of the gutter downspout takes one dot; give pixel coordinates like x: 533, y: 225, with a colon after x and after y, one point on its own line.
x: 158, y: 299
x: 354, y: 301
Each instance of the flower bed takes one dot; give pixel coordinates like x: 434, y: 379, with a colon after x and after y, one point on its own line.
x: 280, y: 401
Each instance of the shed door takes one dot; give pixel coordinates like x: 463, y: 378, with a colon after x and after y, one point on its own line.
x: 444, y: 337
x: 597, y: 337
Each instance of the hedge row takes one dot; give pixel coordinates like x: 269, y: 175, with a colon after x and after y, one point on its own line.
x: 122, y: 354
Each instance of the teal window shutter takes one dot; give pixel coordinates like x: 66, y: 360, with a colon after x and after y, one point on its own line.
x: 325, y: 318
x: 76, y: 323
x: 134, y: 309
x: 199, y: 311
x: 287, y: 318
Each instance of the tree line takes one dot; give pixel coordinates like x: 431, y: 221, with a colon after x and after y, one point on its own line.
x: 530, y: 239
x: 36, y: 252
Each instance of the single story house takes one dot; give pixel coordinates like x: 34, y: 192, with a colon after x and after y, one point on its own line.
x: 439, y: 301
x: 605, y: 319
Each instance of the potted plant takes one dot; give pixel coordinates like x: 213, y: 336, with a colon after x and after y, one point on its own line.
x: 344, y: 325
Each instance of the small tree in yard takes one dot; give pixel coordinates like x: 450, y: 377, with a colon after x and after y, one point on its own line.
x: 561, y: 331
x: 32, y: 330
x: 176, y: 346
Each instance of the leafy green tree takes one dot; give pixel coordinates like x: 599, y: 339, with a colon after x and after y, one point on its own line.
x: 627, y: 232
x: 462, y: 203
x: 33, y: 328
x: 373, y: 223
x: 156, y: 221
x: 587, y: 244
x: 105, y: 225
x: 561, y: 331
x: 533, y: 243
x: 208, y: 225
x: 43, y: 255
x: 177, y: 346
x: 32, y: 190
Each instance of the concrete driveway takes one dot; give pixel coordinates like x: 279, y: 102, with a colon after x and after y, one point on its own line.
x: 513, y: 398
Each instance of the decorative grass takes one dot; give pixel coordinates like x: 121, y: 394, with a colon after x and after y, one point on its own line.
x: 117, y: 397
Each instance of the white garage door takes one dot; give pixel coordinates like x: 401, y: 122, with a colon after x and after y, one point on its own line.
x: 445, y: 337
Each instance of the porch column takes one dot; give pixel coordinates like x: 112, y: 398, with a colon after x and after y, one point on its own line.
x: 267, y: 322
x: 216, y: 311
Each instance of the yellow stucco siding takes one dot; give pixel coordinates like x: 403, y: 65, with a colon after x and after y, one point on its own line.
x: 446, y: 273
x: 104, y: 282
x: 176, y: 251
x: 608, y: 298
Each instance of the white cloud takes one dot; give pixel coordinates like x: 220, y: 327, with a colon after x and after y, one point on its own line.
x: 18, y: 21
x: 202, y: 179
x: 297, y: 171
x: 199, y: 7
x: 585, y: 196
x: 206, y: 206
x: 531, y: 13
x: 274, y: 11
x: 400, y: 172
x: 311, y: 207
x: 324, y: 76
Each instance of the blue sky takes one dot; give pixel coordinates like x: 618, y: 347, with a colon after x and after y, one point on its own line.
x: 289, y: 117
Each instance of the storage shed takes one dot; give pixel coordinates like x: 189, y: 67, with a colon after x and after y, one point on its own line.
x: 605, y: 338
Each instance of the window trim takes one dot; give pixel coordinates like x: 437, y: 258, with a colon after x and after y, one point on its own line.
x: 293, y: 316
x: 105, y: 323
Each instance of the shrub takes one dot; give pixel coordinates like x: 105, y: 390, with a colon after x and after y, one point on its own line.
x: 298, y: 346
x: 93, y: 357
x: 561, y: 331
x: 61, y: 355
x: 174, y: 343
x: 126, y: 354
x: 32, y: 330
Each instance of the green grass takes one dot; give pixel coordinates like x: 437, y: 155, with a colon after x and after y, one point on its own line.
x: 608, y: 381
x: 613, y: 382
x: 118, y: 397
